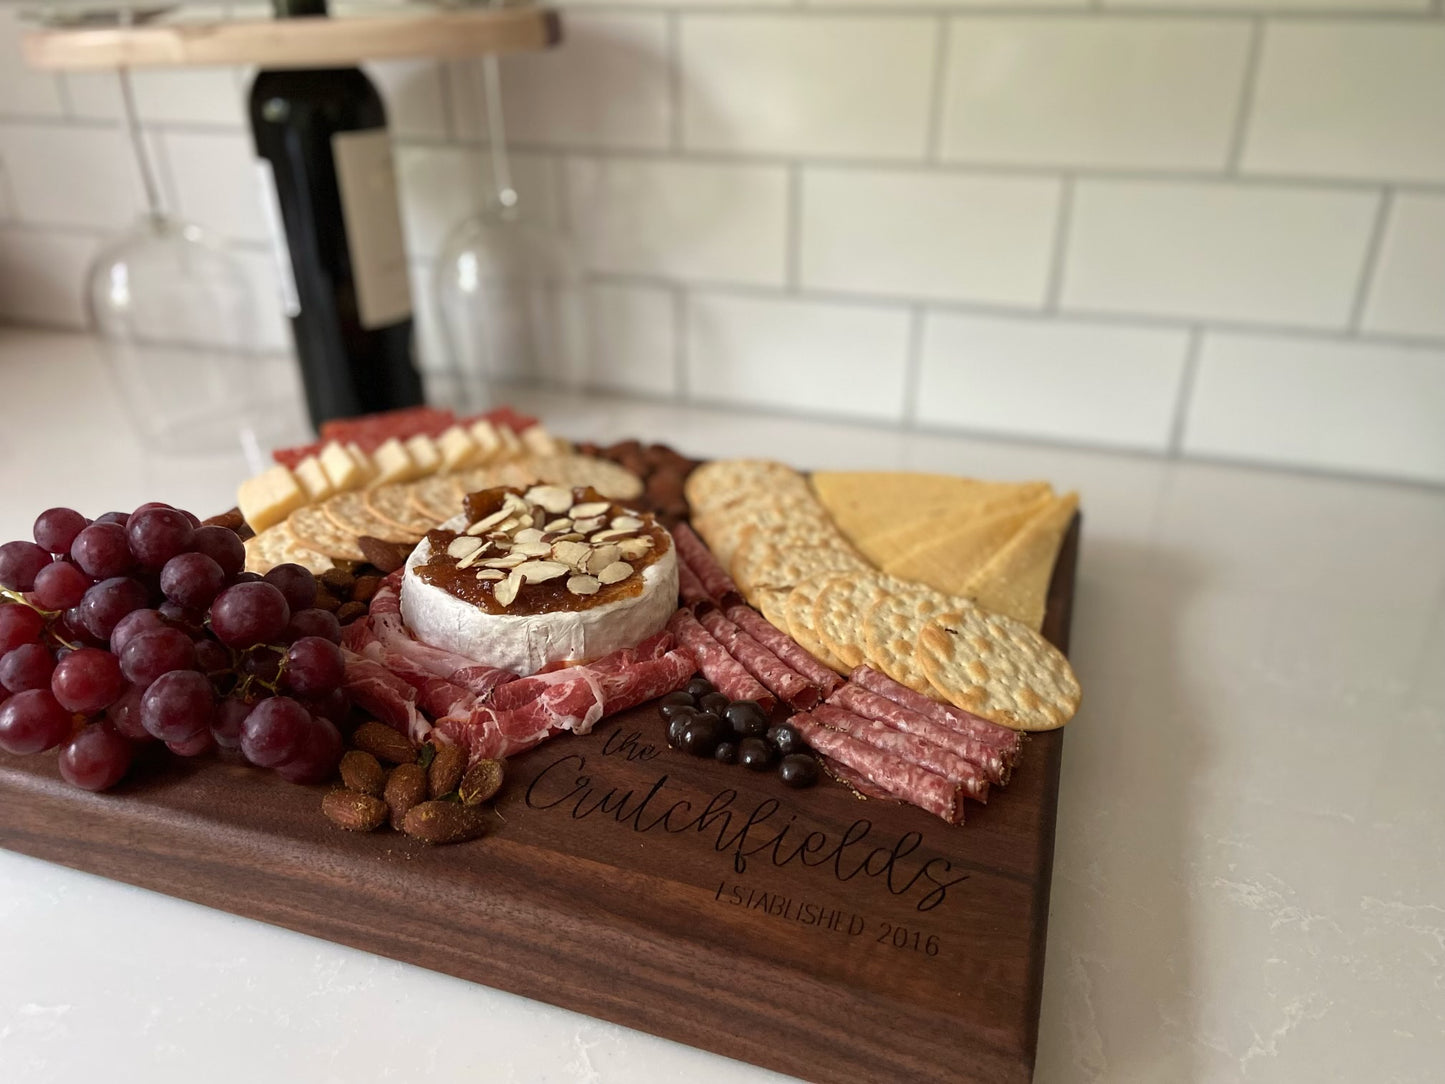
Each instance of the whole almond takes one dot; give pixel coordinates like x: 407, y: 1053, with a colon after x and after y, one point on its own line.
x: 405, y: 788
x: 481, y: 782
x: 446, y: 770
x: 364, y: 588
x: 384, y: 743
x: 444, y: 822
x: 363, y: 772
x: 354, y: 811
x: 348, y: 612
x: 386, y: 556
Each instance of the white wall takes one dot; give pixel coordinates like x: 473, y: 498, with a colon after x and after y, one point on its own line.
x: 1205, y: 227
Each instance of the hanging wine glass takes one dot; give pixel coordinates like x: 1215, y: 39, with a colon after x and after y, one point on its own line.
x: 508, y: 286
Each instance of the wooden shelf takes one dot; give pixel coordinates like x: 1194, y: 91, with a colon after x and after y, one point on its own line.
x: 295, y: 43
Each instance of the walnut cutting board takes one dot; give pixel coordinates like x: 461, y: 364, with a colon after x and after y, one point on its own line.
x: 808, y: 931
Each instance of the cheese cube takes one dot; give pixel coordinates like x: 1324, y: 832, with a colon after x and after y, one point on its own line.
x: 484, y: 434
x: 393, y: 463
x: 424, y: 454
x: 312, y: 476
x: 457, y: 449
x: 364, y: 462
x: 270, y: 497
x: 537, y: 441
x: 511, y: 446
x: 342, y: 470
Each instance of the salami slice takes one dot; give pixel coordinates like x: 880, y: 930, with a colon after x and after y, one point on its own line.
x: 695, y: 554
x: 689, y: 586
x: 783, y: 646
x: 725, y: 672
x: 860, y: 787
x: 1000, y: 737
x: 894, y: 775
x: 777, y: 675
x: 908, y: 747
x: 995, y: 763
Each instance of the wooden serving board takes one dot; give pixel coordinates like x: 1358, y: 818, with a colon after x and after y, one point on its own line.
x: 806, y: 931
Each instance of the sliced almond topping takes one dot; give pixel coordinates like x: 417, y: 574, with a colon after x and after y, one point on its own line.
x: 542, y: 571
x: 512, y: 560
x: 589, y: 509
x: 463, y: 545
x: 533, y: 549
x: 527, y: 534
x: 626, y: 523
x: 631, y: 549
x: 584, y: 585
x: 558, y: 524
x: 572, y: 536
x: 612, y: 534
x: 616, y: 572
x: 491, y: 574
x: 472, y: 558
x: 488, y: 522
x: 587, y: 526
x: 506, y: 591
x: 572, y: 553
x: 510, y: 524
x: 602, y: 556
x: 555, y: 499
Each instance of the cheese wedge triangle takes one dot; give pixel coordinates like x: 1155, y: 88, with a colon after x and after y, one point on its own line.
x: 1016, y: 581
x: 947, y: 552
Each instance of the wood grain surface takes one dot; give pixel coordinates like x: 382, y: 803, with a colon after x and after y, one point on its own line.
x: 806, y: 931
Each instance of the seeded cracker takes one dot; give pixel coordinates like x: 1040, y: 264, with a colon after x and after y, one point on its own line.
x: 278, y: 546
x: 438, y: 498
x: 999, y: 669
x: 726, y: 482
x: 840, y: 603
x: 890, y: 633
x: 349, y: 512
x: 798, y: 611
x: 392, y: 504
x: 315, y: 530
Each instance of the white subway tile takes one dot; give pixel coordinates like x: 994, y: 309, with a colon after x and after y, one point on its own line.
x: 634, y: 339
x: 606, y: 85
x: 688, y: 220
x: 69, y: 176
x: 1407, y: 296
x: 1350, y: 99
x: 42, y: 276
x: 850, y: 85
x: 215, y: 182
x: 442, y: 186
x: 1265, y: 253
x: 1329, y: 405
x: 1094, y: 91
x: 913, y: 5
x: 412, y: 91
x: 24, y: 92
x: 191, y: 96
x: 1363, y: 7
x: 1056, y: 379
x: 93, y: 95
x: 934, y: 235
x: 806, y: 356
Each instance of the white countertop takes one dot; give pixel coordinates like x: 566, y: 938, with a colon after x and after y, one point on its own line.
x: 1249, y: 874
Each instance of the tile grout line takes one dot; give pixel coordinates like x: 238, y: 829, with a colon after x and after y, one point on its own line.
x: 1371, y: 262
x: 683, y: 393
x: 933, y: 145
x: 1187, y: 376
x: 793, y: 231
x: 913, y: 365
x: 1059, y: 255
x: 1245, y: 111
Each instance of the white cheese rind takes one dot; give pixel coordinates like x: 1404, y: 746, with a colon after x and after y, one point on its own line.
x: 525, y: 643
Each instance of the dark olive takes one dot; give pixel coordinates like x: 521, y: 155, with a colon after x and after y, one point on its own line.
x: 798, y: 770
x: 755, y: 753
x: 701, y: 734
x: 675, y: 726
x: 673, y: 710
x: 699, y: 687
x: 716, y: 703
x: 681, y: 697
x: 726, y: 752
x: 786, y: 740
x: 747, y: 718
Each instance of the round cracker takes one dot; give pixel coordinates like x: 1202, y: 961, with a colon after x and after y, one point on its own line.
x: 315, y: 530
x: 437, y: 499
x: 614, y: 482
x: 839, y: 607
x: 278, y: 546
x: 798, y: 612
x: 392, y: 503
x: 349, y: 513
x: 998, y: 668
x: 725, y: 482
x: 890, y: 633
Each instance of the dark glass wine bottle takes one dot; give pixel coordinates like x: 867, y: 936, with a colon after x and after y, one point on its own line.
x: 324, y: 152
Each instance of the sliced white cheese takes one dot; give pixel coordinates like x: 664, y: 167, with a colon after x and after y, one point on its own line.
x: 525, y: 643
x: 457, y: 449
x: 424, y: 454
x: 364, y: 462
x: 537, y: 441
x: 484, y: 435
x: 511, y: 445
x: 341, y: 467
x: 270, y: 497
x: 312, y: 476
x: 393, y: 463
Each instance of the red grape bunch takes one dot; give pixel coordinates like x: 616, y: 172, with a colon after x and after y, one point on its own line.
x: 136, y: 629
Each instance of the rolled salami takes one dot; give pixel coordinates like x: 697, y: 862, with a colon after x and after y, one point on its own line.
x: 777, y: 675
x: 694, y: 553
x: 908, y: 747
x: 728, y: 675
x: 783, y: 646
x: 689, y: 586
x: 965, y: 722
x: 996, y: 764
x: 894, y: 775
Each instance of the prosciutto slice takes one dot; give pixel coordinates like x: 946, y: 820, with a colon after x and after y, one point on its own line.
x: 999, y: 737
x: 994, y: 763
x: 891, y: 774
x: 908, y: 747
x: 375, y: 689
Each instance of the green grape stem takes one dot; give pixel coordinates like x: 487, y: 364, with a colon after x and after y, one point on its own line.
x: 13, y: 597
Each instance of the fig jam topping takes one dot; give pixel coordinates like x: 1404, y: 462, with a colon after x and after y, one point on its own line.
x: 543, y: 549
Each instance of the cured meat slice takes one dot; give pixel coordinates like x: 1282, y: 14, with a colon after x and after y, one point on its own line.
x: 783, y: 646
x: 370, y: 431
x: 996, y: 764
x: 374, y: 688
x: 689, y: 586
x: 695, y: 554
x: 860, y: 787
x: 777, y: 675
x: 891, y: 774
x: 908, y: 747
x: 646, y: 679
x: 999, y: 737
x: 725, y: 672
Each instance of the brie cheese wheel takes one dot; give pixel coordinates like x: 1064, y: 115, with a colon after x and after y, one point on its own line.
x: 525, y: 643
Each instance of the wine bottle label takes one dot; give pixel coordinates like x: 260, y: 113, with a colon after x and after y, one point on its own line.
x: 366, y: 176
x: 271, y: 210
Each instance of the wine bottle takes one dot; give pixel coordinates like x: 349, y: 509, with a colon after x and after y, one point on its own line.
x: 325, y: 158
